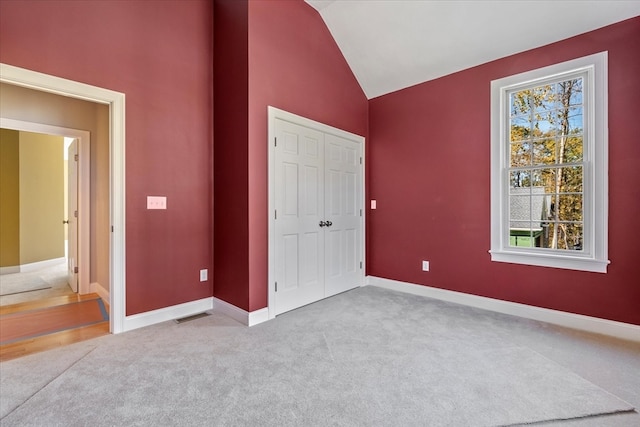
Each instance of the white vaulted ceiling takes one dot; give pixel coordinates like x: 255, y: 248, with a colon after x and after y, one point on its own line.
x: 393, y: 44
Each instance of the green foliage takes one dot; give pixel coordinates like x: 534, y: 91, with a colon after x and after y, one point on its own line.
x: 546, y: 139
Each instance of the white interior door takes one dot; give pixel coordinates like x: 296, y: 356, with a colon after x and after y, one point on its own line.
x: 72, y: 215
x: 317, y: 220
x: 343, y: 236
x: 299, y: 209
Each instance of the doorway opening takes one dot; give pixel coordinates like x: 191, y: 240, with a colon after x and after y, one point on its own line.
x: 114, y: 101
x: 37, y: 260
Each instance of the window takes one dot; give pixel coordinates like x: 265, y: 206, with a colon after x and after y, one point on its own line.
x: 549, y: 166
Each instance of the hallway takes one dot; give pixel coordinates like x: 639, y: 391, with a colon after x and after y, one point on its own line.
x: 39, y: 311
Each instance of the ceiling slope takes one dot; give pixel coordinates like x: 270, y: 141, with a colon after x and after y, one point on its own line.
x: 394, y: 44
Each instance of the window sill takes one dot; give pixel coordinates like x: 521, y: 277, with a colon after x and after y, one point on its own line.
x: 553, y: 261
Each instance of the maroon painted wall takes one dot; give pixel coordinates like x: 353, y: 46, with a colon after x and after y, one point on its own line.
x: 430, y: 168
x: 294, y: 65
x: 160, y: 54
x: 231, y: 119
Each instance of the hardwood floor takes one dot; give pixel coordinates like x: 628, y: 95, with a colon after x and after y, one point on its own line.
x: 27, y: 346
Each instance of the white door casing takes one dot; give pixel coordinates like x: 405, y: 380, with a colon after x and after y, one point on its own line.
x: 316, y: 239
x: 116, y: 101
x: 72, y: 215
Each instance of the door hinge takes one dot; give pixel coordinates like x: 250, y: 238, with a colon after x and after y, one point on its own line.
x: 76, y: 157
x: 75, y: 214
x: 75, y: 269
x: 276, y: 286
x: 112, y: 228
x: 360, y: 212
x: 360, y: 160
x: 275, y: 214
x: 275, y: 142
x: 360, y: 265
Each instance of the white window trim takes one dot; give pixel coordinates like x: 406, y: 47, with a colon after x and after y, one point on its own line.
x: 594, y: 256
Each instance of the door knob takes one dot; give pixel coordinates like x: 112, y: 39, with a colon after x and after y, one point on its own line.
x: 329, y: 223
x: 322, y: 224
x: 66, y: 221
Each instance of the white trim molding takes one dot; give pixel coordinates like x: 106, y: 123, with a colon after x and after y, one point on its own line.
x: 173, y: 312
x: 245, y: 317
x: 186, y: 309
x: 35, y: 266
x: 116, y: 101
x: 593, y: 255
x: 32, y: 266
x: 10, y: 270
x: 97, y: 288
x: 580, y: 322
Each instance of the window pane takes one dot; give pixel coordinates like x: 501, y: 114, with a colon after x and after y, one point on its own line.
x: 569, y: 92
x: 574, y: 236
x: 520, y: 128
x: 545, y: 178
x: 519, y: 102
x: 544, y: 152
x: 566, y: 236
x: 519, y: 207
x: 545, y: 125
x: 519, y: 180
x: 576, y: 93
x: 570, y: 207
x: 520, y: 154
x: 575, y: 121
x: 571, y: 179
x: 540, y: 207
x: 573, y: 149
x: 543, y: 100
x: 522, y: 239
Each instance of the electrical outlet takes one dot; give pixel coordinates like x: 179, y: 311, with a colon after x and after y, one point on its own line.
x: 204, y: 274
x: 425, y: 265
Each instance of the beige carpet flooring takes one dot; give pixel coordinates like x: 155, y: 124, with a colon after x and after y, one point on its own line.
x: 54, y: 278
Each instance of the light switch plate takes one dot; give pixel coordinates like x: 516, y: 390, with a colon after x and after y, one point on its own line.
x: 204, y: 274
x: 156, y: 202
x: 425, y: 265
x: 374, y: 204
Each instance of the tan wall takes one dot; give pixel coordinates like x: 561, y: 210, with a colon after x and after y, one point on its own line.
x: 9, y: 198
x: 34, y: 106
x: 41, y: 197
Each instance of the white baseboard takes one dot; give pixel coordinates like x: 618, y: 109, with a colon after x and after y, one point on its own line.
x: 575, y: 321
x: 168, y: 313
x: 246, y: 318
x: 10, y: 270
x: 189, y: 309
x: 97, y: 288
x: 35, y: 266
x: 258, y: 316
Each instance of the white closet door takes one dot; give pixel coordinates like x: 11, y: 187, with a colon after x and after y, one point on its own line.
x: 343, y: 192
x: 299, y: 203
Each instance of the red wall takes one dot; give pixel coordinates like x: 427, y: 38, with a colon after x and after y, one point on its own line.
x: 231, y: 118
x: 295, y: 65
x: 430, y: 173
x: 160, y: 54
